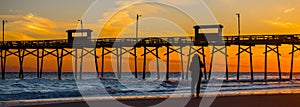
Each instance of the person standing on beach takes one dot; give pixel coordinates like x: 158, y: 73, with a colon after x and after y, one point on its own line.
x: 195, y: 68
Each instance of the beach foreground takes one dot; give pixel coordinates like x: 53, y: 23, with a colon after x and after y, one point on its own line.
x: 276, y: 100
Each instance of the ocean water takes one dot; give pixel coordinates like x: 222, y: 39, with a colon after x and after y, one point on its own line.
x: 90, y: 86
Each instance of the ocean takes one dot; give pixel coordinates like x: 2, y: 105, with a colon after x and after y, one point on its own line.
x: 90, y: 86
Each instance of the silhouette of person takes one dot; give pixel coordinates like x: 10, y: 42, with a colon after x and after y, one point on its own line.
x: 195, y: 68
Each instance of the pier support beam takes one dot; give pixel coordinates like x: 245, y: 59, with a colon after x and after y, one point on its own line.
x: 148, y: 51
x: 21, y: 60
x: 102, y: 62
x: 204, y: 62
x: 59, y: 57
x: 275, y: 49
x: 42, y: 63
x: 226, y: 62
x: 248, y: 50
x: 121, y: 61
x: 188, y: 63
x: 168, y: 62
x: 121, y: 56
x: 135, y: 63
x: 181, y: 63
x: 76, y: 63
x: 294, y: 50
x: 38, y: 62
x: 170, y: 51
x: 106, y: 51
x: 238, y: 64
x: 157, y: 63
x: 145, y: 63
x: 96, y: 62
x: 200, y: 51
x: 3, y: 63
x: 216, y: 49
x: 81, y: 63
x: 118, y: 63
x: 211, y: 61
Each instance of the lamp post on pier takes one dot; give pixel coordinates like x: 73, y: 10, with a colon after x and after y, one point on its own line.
x: 239, y: 47
x: 81, y: 24
x: 3, y: 23
x: 137, y: 26
x: 239, y: 23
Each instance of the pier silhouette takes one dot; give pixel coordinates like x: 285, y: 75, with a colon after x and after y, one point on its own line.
x: 119, y: 46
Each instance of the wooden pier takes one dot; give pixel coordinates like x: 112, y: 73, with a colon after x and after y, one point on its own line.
x: 120, y: 46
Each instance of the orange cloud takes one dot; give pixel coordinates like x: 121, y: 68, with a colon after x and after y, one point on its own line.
x: 120, y: 20
x: 279, y: 23
x: 289, y: 10
x: 32, y: 27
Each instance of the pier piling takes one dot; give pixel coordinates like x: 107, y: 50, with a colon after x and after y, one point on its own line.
x: 157, y: 63
x: 145, y: 62
x: 168, y: 62
x: 96, y: 62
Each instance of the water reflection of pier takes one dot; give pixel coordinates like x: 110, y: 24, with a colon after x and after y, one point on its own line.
x: 120, y: 46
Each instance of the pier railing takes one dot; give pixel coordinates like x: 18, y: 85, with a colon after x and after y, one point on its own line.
x: 152, y: 41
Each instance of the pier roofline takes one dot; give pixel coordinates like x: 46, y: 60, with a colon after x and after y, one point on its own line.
x: 79, y: 30
x: 208, y: 26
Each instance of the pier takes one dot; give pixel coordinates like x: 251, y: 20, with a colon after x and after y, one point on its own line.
x: 151, y: 46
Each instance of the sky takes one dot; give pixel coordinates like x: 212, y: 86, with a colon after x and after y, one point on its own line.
x: 49, y: 19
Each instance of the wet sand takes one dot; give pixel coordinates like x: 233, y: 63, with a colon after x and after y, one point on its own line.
x: 276, y: 100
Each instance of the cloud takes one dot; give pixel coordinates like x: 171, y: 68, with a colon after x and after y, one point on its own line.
x: 279, y: 22
x: 120, y: 20
x: 289, y: 10
x: 33, y: 27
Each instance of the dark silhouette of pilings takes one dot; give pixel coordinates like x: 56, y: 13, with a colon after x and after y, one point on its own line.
x: 59, y: 57
x: 96, y: 62
x: 194, y: 50
x: 269, y: 48
x: 21, y: 60
x: 215, y: 49
x: 248, y: 50
x: 188, y: 63
x: 135, y: 63
x: 106, y: 51
x: 157, y: 63
x: 3, y: 62
x: 171, y: 50
x: 294, y: 50
x: 156, y: 54
x: 61, y: 48
x: 145, y: 62
x: 40, y: 63
x: 76, y: 63
x: 59, y: 53
x: 118, y: 64
x: 102, y: 62
x: 81, y: 63
x: 168, y: 62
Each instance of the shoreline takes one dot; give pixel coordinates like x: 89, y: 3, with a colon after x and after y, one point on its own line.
x: 242, y: 99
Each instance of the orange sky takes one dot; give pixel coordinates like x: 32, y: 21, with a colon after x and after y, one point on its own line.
x: 31, y: 20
